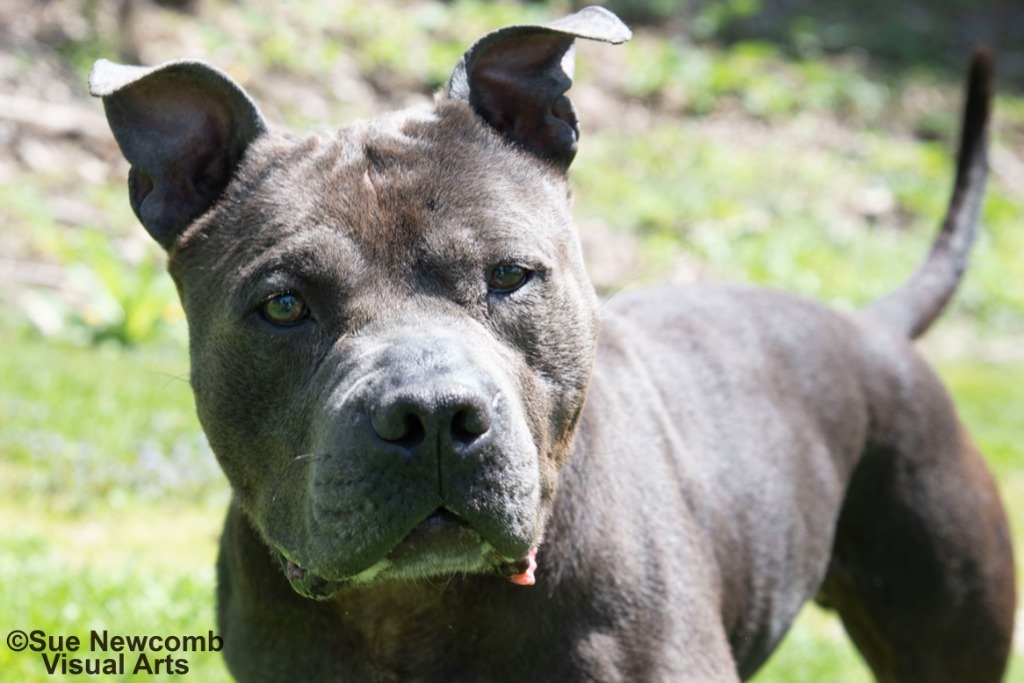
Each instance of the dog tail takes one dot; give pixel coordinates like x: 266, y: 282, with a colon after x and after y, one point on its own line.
x: 913, y: 307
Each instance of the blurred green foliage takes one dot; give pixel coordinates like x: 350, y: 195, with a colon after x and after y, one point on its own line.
x: 752, y: 75
x: 109, y: 294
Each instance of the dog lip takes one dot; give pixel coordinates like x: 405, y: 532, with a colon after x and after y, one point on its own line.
x: 442, y: 541
x: 440, y: 529
x: 305, y: 582
x: 440, y: 521
x: 294, y: 571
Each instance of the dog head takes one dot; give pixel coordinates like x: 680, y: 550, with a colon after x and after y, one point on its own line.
x: 391, y: 328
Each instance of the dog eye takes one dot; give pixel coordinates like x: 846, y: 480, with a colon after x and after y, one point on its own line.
x: 284, y: 309
x: 507, y: 277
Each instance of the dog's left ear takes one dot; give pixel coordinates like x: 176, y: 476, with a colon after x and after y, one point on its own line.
x: 516, y: 79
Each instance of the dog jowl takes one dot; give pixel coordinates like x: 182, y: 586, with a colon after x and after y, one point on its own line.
x: 398, y: 360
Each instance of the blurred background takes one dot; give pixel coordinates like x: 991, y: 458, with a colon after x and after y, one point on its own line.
x: 796, y: 143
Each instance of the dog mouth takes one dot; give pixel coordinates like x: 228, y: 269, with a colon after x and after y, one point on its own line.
x: 441, y: 545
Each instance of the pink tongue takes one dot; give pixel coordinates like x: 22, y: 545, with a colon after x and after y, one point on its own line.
x: 527, y: 578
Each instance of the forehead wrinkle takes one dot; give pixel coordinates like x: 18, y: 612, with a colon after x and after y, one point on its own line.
x: 400, y: 180
x: 304, y: 253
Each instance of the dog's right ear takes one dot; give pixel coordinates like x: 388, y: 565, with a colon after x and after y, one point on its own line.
x: 183, y: 126
x: 516, y: 78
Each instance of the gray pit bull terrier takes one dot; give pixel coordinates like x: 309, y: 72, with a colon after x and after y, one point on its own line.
x: 422, y: 406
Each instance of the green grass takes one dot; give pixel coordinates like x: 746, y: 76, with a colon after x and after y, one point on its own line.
x: 99, y: 423
x: 112, y: 502
x: 816, y: 649
x: 990, y: 400
x: 137, y: 569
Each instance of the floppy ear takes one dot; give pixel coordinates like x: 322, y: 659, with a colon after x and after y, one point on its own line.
x: 183, y: 126
x: 516, y: 79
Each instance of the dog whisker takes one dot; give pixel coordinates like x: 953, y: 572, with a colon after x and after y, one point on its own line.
x: 615, y: 292
x: 183, y: 378
x: 307, y: 456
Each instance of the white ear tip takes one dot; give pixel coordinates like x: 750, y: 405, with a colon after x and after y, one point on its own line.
x: 108, y: 77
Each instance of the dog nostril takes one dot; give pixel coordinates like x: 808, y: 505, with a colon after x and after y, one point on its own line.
x: 469, y: 423
x: 414, y: 432
x: 399, y: 427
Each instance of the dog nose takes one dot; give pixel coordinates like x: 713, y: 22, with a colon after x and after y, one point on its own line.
x: 432, y: 413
